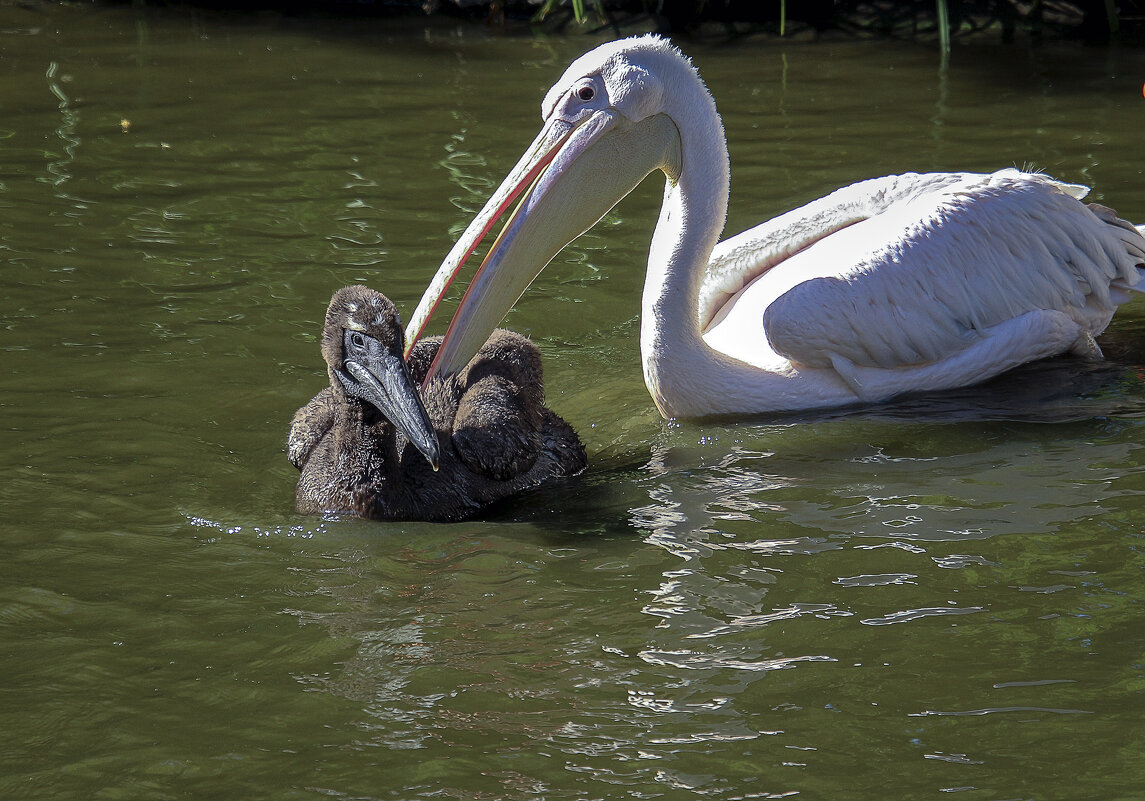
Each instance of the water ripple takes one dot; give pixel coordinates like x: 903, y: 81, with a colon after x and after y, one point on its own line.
x: 696, y: 661
x: 958, y: 560
x: 879, y: 580
x: 959, y: 759
x: 748, y: 622
x: 996, y: 709
x: 908, y: 615
x: 708, y: 737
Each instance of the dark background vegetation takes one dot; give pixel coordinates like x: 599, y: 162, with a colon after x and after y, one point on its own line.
x: 1094, y: 21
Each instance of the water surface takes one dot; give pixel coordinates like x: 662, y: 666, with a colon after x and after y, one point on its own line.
x: 941, y: 596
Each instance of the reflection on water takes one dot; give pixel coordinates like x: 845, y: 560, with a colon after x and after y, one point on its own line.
x: 938, y: 595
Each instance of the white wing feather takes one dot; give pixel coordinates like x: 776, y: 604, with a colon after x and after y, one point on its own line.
x: 909, y: 270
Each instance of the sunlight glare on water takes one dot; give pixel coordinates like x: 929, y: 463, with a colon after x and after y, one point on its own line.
x: 937, y: 596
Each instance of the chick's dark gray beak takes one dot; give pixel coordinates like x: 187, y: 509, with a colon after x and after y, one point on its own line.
x: 381, y: 378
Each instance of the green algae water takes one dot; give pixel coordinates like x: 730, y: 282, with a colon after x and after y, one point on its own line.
x: 937, y: 598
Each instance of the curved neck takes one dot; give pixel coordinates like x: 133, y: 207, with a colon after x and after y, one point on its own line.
x: 675, y: 357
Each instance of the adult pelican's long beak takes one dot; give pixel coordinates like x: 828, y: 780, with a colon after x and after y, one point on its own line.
x: 570, y: 177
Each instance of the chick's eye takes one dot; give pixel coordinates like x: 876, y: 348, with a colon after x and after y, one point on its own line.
x: 358, y: 340
x: 585, y: 93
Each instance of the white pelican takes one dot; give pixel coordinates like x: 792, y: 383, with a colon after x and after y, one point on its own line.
x: 907, y: 283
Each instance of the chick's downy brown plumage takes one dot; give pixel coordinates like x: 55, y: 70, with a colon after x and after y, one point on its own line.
x: 368, y: 444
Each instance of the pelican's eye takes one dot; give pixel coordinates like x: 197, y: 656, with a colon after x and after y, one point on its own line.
x: 585, y: 92
x: 357, y: 340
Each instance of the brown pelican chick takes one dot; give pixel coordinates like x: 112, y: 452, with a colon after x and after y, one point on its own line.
x: 368, y: 445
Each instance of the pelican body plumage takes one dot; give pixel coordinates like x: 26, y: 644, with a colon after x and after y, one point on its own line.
x: 902, y: 284
x: 368, y: 445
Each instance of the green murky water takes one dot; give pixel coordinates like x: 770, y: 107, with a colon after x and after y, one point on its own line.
x: 940, y: 598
